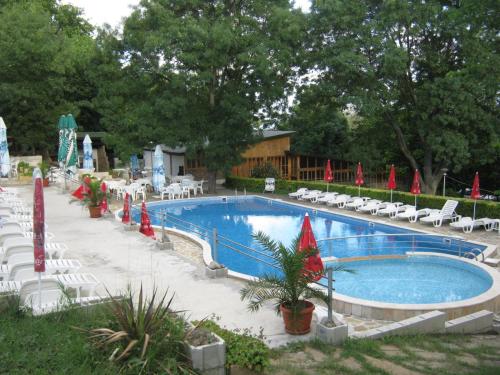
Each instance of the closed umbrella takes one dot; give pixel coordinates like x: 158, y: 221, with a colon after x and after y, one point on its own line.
x: 88, y: 162
x: 104, y: 203
x: 415, y: 186
x: 4, y: 151
x: 359, y: 178
x: 475, y: 194
x: 391, y: 184
x: 313, y: 266
x: 328, y: 174
x: 38, y: 229
x: 63, y: 141
x: 126, y: 209
x: 146, y: 227
x: 72, y: 154
x: 158, y: 172
x: 134, y: 165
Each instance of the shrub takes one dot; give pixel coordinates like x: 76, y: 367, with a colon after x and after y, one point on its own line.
x: 465, y: 206
x: 242, y: 349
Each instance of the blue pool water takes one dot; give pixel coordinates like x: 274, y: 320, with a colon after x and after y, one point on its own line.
x: 419, y: 279
x: 237, y: 218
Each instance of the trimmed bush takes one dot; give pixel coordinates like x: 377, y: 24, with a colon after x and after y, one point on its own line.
x: 465, y: 206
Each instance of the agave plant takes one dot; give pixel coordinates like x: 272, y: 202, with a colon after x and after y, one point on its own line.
x: 142, y: 326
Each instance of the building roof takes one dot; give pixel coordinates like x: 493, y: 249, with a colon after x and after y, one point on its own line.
x: 92, y: 135
x: 275, y: 133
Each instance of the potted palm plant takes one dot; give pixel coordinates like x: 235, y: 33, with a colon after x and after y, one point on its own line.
x: 44, y: 168
x: 290, y: 291
x: 93, y: 196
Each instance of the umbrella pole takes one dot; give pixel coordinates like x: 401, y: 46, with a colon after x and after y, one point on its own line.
x: 391, y: 195
x: 39, y: 290
x: 359, y: 190
x: 330, y: 294
x: 415, y: 202
x: 474, y: 212
x: 327, y: 186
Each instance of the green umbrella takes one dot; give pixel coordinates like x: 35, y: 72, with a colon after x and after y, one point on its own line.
x: 63, y: 144
x: 72, y: 150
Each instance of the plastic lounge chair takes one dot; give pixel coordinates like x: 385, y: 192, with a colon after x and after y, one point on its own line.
x: 357, y: 203
x: 311, y: 194
x: 412, y: 215
x: 446, y: 213
x: 492, y: 224
x: 299, y: 193
x: 371, y: 206
x: 465, y: 223
x: 270, y: 185
x: 25, y: 270
x: 390, y: 209
x: 400, y: 209
x: 19, y: 245
x: 52, y: 296
x: 327, y: 197
x: 339, y: 200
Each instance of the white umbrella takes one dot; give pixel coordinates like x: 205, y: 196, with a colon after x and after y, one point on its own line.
x: 88, y: 162
x: 4, y: 150
x: 158, y: 171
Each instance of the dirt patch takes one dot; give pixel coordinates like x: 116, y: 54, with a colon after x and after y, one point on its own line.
x: 315, y: 355
x: 390, y: 367
x: 430, y: 356
x: 467, y: 359
x: 351, y: 364
x: 391, y: 350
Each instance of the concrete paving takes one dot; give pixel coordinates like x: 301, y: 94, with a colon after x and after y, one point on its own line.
x: 119, y: 258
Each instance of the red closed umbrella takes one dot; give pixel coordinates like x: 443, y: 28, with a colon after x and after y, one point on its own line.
x: 328, y: 174
x: 475, y: 194
x: 313, y: 266
x: 359, y: 178
x: 146, y: 227
x: 126, y: 209
x: 415, y: 186
x: 38, y: 231
x: 104, y: 203
x: 82, y: 190
x: 391, y: 183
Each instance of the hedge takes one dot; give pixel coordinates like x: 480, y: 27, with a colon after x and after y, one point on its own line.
x: 465, y: 207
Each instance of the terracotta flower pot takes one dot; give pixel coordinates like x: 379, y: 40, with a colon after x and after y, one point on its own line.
x: 95, y: 212
x: 300, y: 323
x: 45, y: 182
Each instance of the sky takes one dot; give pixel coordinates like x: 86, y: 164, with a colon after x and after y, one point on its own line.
x: 99, y: 12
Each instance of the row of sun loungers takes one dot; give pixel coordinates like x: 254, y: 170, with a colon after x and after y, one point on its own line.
x: 17, y: 276
x: 397, y: 210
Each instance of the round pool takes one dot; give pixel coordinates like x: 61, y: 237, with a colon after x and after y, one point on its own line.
x: 412, y: 280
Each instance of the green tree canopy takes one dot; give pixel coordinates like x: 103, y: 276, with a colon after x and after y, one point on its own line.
x: 204, y: 72
x: 42, y: 47
x: 426, y: 71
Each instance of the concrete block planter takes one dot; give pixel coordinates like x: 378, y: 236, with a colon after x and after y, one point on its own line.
x: 209, y: 359
x: 215, y: 270
x: 331, y: 335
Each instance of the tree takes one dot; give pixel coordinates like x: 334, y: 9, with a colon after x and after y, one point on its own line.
x: 425, y: 71
x: 206, y: 71
x: 42, y: 44
x: 321, y: 130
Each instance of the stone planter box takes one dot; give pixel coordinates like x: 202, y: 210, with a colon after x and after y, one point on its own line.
x: 130, y: 228
x: 331, y: 335
x: 208, y: 359
x: 215, y: 273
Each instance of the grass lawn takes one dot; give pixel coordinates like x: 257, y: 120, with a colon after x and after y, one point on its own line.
x: 50, y: 345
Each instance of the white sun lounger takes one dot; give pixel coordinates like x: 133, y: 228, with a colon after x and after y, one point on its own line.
x: 21, y: 248
x: 326, y: 197
x: 492, y: 224
x: 25, y: 270
x: 468, y: 225
x: 391, y: 209
x: 446, y: 213
x: 413, y: 215
x: 371, y: 206
x: 299, y: 193
x: 311, y: 194
x: 356, y: 203
x: 52, y: 297
x: 340, y: 200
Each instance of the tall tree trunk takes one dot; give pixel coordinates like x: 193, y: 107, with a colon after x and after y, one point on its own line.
x: 212, y: 177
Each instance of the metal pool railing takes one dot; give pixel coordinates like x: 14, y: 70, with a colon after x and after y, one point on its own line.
x: 386, y: 244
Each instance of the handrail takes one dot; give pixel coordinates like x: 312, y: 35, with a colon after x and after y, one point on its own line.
x: 392, y: 235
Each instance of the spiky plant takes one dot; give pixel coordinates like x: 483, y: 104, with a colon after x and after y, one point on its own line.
x: 148, y: 331
x: 292, y: 288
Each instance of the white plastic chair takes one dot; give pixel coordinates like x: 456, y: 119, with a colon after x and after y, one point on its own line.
x: 270, y: 185
x: 141, y: 192
x: 199, y: 186
x: 299, y: 193
x: 446, y: 213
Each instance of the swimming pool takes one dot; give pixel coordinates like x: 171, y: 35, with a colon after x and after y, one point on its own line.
x: 413, y: 280
x: 236, y: 218
x: 388, y: 289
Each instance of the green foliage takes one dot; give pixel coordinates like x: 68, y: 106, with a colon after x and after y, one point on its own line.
x: 290, y: 289
x: 418, y: 73
x: 242, y: 349
x: 43, y: 46
x: 465, y: 206
x: 92, y: 195
x: 265, y: 170
x: 44, y: 168
x: 147, y: 332
x: 24, y: 168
